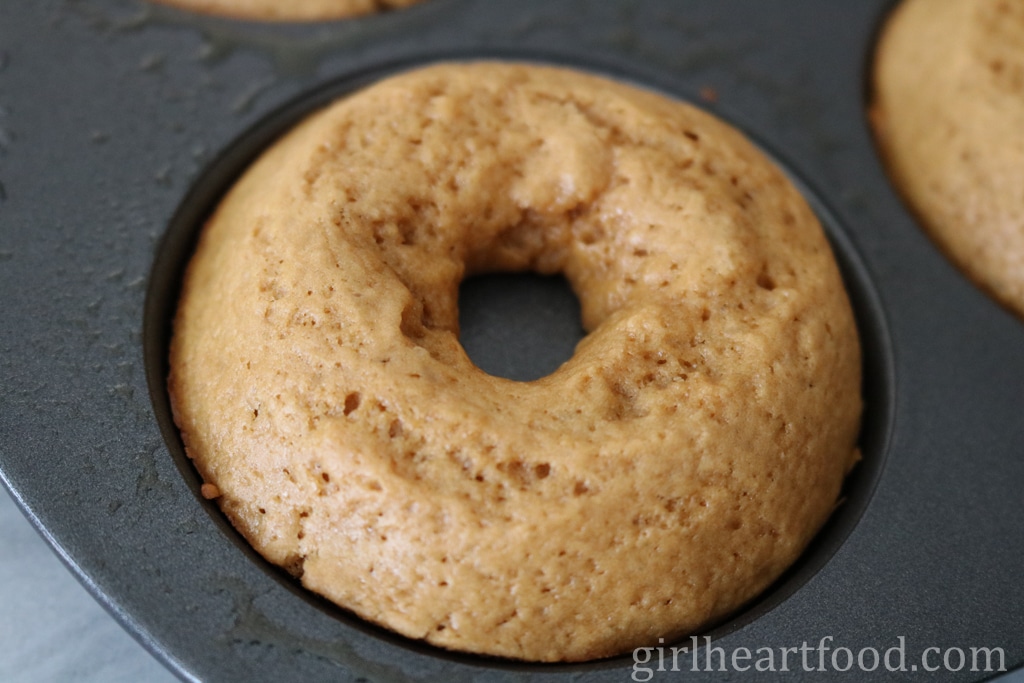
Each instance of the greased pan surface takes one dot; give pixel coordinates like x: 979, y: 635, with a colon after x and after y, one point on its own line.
x: 121, y: 124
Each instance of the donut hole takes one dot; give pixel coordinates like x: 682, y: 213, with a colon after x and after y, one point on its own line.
x: 520, y: 326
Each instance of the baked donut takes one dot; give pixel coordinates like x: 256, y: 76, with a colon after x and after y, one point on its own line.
x: 657, y: 481
x: 289, y: 10
x: 948, y: 114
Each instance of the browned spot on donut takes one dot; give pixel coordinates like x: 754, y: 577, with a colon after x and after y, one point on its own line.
x: 352, y: 401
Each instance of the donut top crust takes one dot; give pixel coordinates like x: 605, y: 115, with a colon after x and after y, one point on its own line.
x: 289, y: 10
x: 660, y: 479
x: 948, y: 113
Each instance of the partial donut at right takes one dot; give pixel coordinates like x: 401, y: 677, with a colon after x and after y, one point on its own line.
x: 948, y: 113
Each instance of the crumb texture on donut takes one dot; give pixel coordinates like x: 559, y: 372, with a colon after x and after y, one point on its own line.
x: 948, y: 113
x: 289, y: 10
x: 656, y: 482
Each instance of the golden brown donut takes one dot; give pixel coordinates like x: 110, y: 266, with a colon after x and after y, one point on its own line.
x: 948, y: 113
x: 289, y: 10
x: 666, y: 474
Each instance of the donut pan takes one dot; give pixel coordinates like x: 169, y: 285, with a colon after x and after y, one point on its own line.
x: 122, y: 123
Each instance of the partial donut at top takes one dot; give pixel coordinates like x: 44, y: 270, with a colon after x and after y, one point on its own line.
x: 948, y: 114
x: 660, y: 479
x: 289, y: 10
